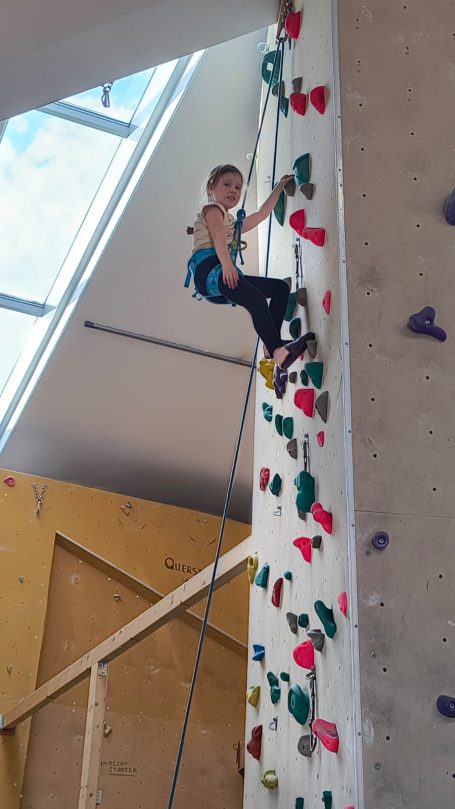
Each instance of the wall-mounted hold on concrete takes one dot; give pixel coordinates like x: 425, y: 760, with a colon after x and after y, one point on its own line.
x: 317, y: 98
x: 279, y: 209
x: 322, y: 406
x: 279, y: 423
x: 262, y: 577
x: 327, y: 617
x: 252, y: 566
x: 312, y: 348
x: 264, y: 477
x: 380, y: 540
x: 270, y: 74
x: 275, y: 485
x: 304, y: 746
x: 305, y: 497
x: 303, y: 655
x: 297, y: 222
x: 254, y: 745
x: 258, y: 652
x: 265, y: 368
x: 314, y: 235
x: 295, y: 328
x: 299, y: 803
x: 423, y: 323
x: 269, y: 779
x: 298, y: 703
x: 449, y: 208
x: 446, y: 706
x: 327, y: 799
x: 303, y: 620
x: 287, y: 575
x: 280, y: 377
x: 304, y: 546
x: 307, y: 189
x: 317, y: 638
x: 315, y: 372
x: 320, y: 438
x: 316, y: 541
x: 327, y: 302
x: 291, y: 618
x: 304, y: 400
x: 289, y: 188
x: 253, y: 694
x: 9, y: 481
x: 276, y: 592
x: 298, y: 103
x: 343, y: 603
x: 292, y: 448
x: 267, y: 411
x: 284, y: 676
x: 292, y: 377
x: 302, y: 168
x: 327, y: 734
x: 292, y: 23
x: 323, y: 517
x: 288, y: 427
x: 304, y: 378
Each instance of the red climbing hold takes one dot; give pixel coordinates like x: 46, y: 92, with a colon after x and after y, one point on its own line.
x: 343, y: 603
x: 298, y: 103
x: 315, y: 507
x: 314, y: 235
x: 292, y: 24
x: 323, y: 517
x: 326, y: 301
x: 304, y: 400
x: 320, y: 437
x: 303, y: 655
x: 327, y: 734
x: 255, y: 743
x: 304, y: 546
x: 9, y: 481
x: 276, y: 592
x: 297, y: 221
x: 317, y: 98
x: 264, y: 477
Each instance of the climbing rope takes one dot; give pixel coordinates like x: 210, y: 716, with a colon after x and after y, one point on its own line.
x: 227, y: 499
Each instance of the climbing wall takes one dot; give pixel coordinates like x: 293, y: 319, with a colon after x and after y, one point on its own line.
x: 397, y: 62
x: 325, y: 776
x: 56, y: 603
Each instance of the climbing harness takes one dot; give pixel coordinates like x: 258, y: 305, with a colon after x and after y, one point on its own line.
x: 281, y: 41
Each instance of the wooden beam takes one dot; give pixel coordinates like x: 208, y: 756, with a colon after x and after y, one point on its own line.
x: 96, y: 711
x: 190, y: 592
x: 147, y: 592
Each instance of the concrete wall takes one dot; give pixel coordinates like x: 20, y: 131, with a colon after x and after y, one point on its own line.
x: 55, y: 607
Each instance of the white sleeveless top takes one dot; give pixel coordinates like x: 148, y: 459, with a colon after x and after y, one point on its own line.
x: 201, y: 235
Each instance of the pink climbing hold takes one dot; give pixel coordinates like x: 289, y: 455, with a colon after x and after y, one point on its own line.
x: 326, y: 302
x: 327, y: 734
x: 304, y: 400
x: 317, y: 98
x: 297, y: 221
x: 298, y: 103
x: 9, y: 481
x: 303, y: 655
x: 264, y: 477
x: 304, y: 546
x: 292, y: 24
x: 323, y: 517
x: 320, y: 438
x: 314, y: 235
x: 276, y: 592
x: 255, y: 743
x: 343, y: 603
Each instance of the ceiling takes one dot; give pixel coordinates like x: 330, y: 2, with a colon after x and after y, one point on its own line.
x: 129, y: 416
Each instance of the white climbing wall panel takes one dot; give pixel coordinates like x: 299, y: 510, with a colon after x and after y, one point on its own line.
x: 329, y: 572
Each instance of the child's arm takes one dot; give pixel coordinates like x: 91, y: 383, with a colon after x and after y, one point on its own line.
x: 254, y: 219
x: 214, y: 219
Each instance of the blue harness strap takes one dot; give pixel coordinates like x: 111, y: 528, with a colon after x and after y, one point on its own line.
x: 213, y: 293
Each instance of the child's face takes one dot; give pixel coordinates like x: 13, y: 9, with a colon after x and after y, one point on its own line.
x: 227, y: 190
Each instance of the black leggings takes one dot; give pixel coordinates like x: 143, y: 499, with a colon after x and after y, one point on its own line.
x: 252, y: 293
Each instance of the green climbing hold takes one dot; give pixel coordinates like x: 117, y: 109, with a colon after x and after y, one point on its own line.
x: 327, y: 618
x: 267, y: 67
x: 298, y: 704
x: 288, y: 427
x: 269, y: 779
x: 302, y: 169
x: 315, y: 371
x: 267, y: 411
x: 275, y: 694
x: 299, y: 803
x: 284, y: 106
x: 279, y: 424
x: 295, y: 327
x: 290, y: 309
x: 279, y: 209
x: 287, y: 575
x: 272, y: 679
x: 284, y: 676
x: 305, y: 495
x: 327, y: 799
x: 303, y: 620
x: 263, y: 576
x: 275, y: 485
x: 304, y: 379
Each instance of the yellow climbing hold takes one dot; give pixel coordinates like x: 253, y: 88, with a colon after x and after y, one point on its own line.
x: 252, y: 695
x: 251, y: 567
x: 269, y: 779
x: 266, y: 370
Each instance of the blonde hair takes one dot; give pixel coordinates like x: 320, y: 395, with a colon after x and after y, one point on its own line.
x: 214, y: 176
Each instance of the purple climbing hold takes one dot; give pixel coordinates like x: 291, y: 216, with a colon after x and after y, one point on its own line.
x: 423, y: 323
x: 449, y: 208
x: 446, y: 706
x: 380, y: 540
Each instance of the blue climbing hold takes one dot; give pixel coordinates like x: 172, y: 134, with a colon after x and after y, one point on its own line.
x: 423, y: 323
x: 258, y: 651
x: 446, y: 706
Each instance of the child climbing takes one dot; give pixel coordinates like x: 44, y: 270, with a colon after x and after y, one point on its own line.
x: 218, y: 280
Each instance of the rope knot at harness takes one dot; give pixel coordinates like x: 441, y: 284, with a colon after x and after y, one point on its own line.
x: 241, y: 213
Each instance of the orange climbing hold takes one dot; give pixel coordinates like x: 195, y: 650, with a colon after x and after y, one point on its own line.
x: 314, y: 235
x: 323, y: 517
x: 276, y: 592
x: 303, y: 655
x: 292, y: 24
x: 298, y: 103
x: 297, y: 221
x: 343, y: 603
x: 304, y: 400
x: 304, y: 546
x: 327, y: 734
x: 317, y: 98
x: 326, y: 301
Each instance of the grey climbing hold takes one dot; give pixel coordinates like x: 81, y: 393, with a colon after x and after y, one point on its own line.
x: 291, y: 447
x: 300, y: 296
x: 312, y: 348
x: 316, y: 541
x: 291, y: 618
x: 288, y: 281
x: 273, y: 724
x: 292, y: 377
x: 317, y: 638
x: 289, y: 188
x: 304, y: 746
x: 322, y: 405
x: 307, y: 189
x: 297, y: 88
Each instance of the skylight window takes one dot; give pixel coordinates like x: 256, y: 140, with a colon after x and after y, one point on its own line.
x: 67, y: 171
